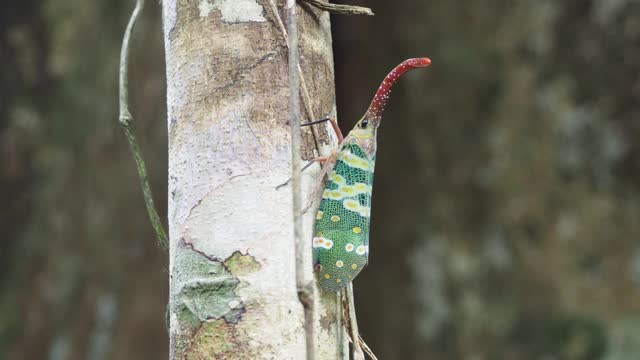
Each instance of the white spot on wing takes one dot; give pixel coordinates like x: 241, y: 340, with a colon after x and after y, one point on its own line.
x: 322, y: 242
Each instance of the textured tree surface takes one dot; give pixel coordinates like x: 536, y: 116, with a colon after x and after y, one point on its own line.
x: 504, y: 220
x: 232, y: 260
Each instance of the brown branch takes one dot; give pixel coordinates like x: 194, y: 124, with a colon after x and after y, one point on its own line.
x: 305, y: 291
x: 305, y: 93
x: 126, y: 122
x: 339, y: 8
x: 356, y: 350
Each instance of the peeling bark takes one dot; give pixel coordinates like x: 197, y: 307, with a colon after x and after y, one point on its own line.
x: 233, y: 292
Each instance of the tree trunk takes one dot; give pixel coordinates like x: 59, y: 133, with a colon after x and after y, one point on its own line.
x: 232, y: 259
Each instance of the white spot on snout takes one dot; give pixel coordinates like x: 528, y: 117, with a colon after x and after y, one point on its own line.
x: 233, y: 11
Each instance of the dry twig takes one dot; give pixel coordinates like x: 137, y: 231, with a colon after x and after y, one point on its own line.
x: 305, y: 290
x: 340, y: 9
x: 126, y: 122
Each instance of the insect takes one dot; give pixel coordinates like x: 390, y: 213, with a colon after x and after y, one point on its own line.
x: 341, y: 238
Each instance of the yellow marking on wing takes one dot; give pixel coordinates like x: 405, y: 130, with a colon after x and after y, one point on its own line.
x: 338, y: 179
x: 361, y: 188
x: 354, y: 161
x: 351, y: 204
x: 347, y: 190
x: 364, y: 211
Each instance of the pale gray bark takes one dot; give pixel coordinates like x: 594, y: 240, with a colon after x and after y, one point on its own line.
x: 232, y: 255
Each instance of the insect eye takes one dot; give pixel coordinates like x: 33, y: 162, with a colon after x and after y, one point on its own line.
x: 364, y: 123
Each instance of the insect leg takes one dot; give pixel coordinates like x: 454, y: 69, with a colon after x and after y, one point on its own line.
x: 336, y: 129
x: 329, y: 163
x: 334, y: 125
x: 317, y: 121
x: 320, y: 159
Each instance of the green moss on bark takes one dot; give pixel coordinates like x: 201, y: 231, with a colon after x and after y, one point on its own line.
x: 203, y: 289
x: 213, y: 339
x: 240, y: 264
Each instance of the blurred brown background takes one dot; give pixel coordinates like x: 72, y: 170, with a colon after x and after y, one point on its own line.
x: 506, y: 207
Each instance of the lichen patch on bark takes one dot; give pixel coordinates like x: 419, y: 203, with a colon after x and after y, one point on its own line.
x: 217, y: 339
x: 213, y: 339
x: 204, y: 289
x: 239, y: 264
x: 326, y: 320
x: 233, y: 11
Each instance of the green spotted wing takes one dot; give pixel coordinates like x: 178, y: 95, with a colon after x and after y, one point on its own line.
x: 341, y: 238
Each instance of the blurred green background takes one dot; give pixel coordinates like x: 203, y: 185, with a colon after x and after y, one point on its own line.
x: 507, y: 200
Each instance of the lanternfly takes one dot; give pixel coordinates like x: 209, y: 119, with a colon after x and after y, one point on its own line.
x: 341, y: 238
